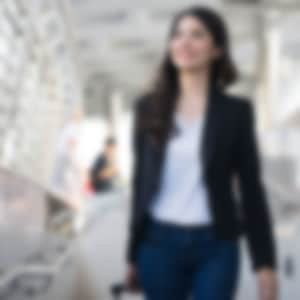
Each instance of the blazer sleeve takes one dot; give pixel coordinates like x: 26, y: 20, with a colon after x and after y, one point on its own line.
x: 255, y: 209
x: 135, y: 184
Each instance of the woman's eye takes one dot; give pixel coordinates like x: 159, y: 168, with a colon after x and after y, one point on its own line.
x: 194, y: 34
x: 177, y: 34
x: 198, y: 34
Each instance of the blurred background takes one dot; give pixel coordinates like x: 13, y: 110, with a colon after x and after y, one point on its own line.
x: 69, y: 74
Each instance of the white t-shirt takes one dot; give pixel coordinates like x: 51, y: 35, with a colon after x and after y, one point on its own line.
x: 182, y: 197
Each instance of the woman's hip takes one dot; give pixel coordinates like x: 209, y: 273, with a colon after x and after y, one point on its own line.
x: 190, y: 242
x: 172, y: 255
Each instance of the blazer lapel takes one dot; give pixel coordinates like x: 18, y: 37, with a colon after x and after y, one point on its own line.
x: 209, y: 136
x: 211, y: 127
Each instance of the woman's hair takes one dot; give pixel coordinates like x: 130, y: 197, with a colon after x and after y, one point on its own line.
x: 164, y: 89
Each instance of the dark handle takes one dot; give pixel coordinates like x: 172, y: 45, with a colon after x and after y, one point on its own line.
x: 117, y: 289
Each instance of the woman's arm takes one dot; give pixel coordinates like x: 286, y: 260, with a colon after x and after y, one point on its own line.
x: 255, y: 210
x: 135, y: 183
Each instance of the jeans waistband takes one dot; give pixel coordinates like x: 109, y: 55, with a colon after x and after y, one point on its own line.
x: 172, y: 226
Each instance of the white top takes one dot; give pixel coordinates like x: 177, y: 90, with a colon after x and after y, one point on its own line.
x: 182, y: 197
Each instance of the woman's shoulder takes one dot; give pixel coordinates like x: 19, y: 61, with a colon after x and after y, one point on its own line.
x: 239, y: 103
x: 241, y: 109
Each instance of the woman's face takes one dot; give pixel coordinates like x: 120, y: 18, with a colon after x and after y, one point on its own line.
x: 192, y: 46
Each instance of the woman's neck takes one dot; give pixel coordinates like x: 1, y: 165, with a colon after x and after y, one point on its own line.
x: 192, y: 99
x: 193, y: 85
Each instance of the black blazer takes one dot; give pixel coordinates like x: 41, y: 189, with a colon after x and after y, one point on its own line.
x: 229, y: 148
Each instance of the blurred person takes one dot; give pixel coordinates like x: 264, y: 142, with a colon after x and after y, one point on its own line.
x: 104, y: 170
x: 191, y: 139
x: 67, y: 175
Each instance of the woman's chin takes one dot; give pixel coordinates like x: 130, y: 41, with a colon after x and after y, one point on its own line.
x: 189, y: 67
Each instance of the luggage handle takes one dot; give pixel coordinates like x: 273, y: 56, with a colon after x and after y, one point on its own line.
x: 117, y: 289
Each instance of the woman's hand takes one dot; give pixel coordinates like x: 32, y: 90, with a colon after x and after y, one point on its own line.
x: 131, y: 279
x: 267, y: 284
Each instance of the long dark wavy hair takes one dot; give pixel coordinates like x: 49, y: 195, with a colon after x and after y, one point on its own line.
x: 165, y: 87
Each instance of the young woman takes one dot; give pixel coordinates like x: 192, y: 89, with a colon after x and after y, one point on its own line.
x: 192, y: 140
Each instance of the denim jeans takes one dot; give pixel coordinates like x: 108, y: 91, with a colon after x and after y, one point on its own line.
x: 176, y: 262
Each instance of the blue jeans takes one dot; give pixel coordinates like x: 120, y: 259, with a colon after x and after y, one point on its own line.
x: 177, y: 262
